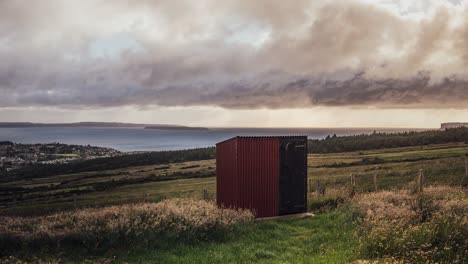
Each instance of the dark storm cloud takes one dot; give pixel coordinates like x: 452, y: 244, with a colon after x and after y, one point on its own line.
x: 234, y: 54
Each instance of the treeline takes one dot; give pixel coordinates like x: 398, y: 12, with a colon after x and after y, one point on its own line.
x: 100, y: 164
x: 333, y: 144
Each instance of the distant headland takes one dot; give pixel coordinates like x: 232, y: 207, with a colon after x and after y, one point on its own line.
x: 98, y: 124
x: 176, y: 128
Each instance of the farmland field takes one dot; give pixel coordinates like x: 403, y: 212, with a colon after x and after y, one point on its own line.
x: 393, y: 168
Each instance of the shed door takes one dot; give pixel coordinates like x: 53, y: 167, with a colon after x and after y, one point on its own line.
x: 293, y: 176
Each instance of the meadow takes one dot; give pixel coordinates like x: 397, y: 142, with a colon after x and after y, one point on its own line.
x: 351, y: 223
x: 399, y: 226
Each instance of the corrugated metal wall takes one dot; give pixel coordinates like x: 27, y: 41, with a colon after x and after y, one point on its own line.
x: 227, y: 192
x: 258, y: 172
x: 247, y: 174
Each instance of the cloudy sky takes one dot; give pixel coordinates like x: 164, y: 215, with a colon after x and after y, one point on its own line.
x: 386, y: 63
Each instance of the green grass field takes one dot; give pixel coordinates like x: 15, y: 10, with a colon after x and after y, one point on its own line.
x: 326, y: 238
x: 393, y: 168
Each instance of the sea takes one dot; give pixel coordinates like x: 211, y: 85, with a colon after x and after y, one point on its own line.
x: 140, y: 139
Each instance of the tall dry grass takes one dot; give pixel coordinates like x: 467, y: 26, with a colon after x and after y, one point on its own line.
x: 417, y: 228
x: 126, y: 225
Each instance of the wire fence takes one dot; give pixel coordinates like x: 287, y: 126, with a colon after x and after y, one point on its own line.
x: 381, y: 179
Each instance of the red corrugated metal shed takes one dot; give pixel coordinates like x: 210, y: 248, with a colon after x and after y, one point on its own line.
x: 248, y: 173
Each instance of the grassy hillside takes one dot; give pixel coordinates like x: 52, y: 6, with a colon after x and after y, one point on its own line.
x: 98, y: 188
x: 399, y: 225
x: 110, y: 163
x: 394, y: 168
x: 351, y: 222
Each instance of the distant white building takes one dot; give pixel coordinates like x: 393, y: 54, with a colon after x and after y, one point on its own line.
x: 453, y: 125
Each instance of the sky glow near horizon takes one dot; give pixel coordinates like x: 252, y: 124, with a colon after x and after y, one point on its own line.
x: 359, y: 63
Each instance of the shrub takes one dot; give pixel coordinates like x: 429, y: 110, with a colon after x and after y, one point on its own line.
x: 428, y: 227
x: 122, y: 226
x: 330, y: 199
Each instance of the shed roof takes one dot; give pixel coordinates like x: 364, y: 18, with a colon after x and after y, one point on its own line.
x: 261, y: 137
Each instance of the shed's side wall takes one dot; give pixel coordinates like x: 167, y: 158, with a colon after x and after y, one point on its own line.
x: 258, y: 173
x: 226, y: 174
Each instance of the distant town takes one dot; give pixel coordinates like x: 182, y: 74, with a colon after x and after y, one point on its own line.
x: 453, y: 125
x: 14, y: 156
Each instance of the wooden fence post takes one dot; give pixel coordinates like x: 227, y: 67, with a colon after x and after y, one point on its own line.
x: 310, y: 185
x: 375, y: 182
x: 74, y: 200
x: 353, y: 179
x: 205, y: 194
x: 466, y: 170
x: 318, y: 187
x: 421, y: 180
